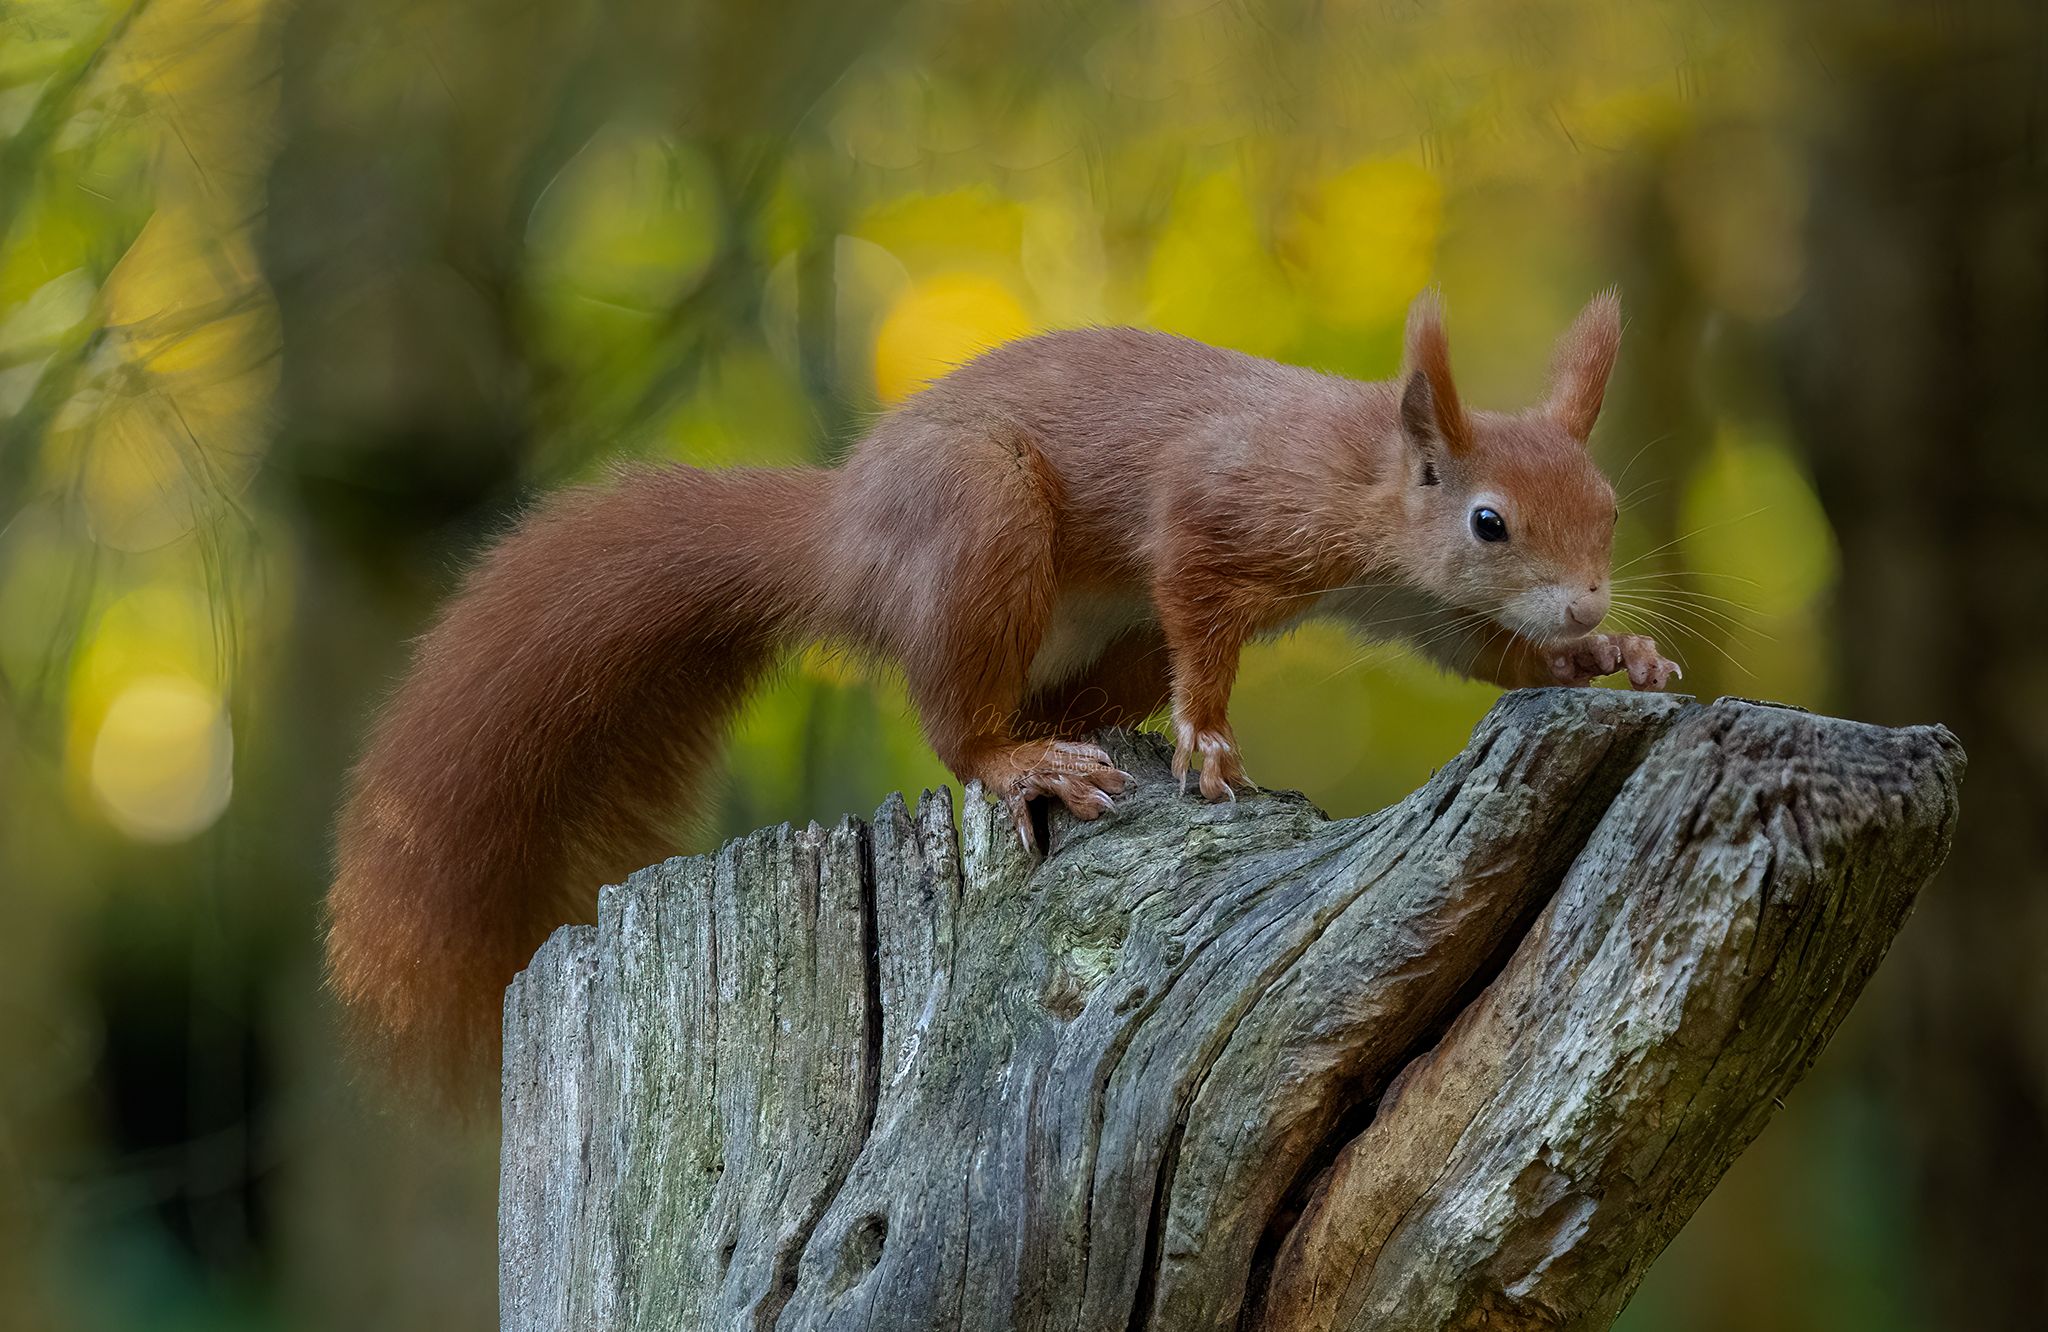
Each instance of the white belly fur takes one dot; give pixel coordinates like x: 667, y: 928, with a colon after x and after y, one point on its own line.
x: 1082, y: 626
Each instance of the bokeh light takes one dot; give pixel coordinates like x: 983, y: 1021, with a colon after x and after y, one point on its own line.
x: 1751, y: 519
x: 940, y: 323
x: 1365, y: 241
x: 162, y: 760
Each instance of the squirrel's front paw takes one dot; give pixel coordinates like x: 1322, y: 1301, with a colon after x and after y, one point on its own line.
x: 1589, y: 658
x: 1222, y: 769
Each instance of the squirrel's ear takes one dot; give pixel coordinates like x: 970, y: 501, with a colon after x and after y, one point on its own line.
x: 1418, y: 423
x: 1430, y: 412
x: 1583, y: 361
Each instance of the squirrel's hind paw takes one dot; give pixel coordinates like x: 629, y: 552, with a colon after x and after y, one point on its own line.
x: 1079, y: 776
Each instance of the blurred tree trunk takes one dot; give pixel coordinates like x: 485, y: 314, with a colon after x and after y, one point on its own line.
x: 1917, y: 367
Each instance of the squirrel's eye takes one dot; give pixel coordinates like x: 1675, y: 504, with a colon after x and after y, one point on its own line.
x: 1488, y: 525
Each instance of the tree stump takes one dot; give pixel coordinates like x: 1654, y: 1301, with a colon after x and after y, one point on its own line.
x: 1470, y: 1061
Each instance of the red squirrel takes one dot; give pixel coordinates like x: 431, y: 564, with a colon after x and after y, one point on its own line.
x: 1068, y: 530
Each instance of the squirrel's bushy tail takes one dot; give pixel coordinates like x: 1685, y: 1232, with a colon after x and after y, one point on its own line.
x: 555, y: 725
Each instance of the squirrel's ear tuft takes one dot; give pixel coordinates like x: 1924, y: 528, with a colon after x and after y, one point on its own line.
x: 1431, y: 414
x: 1581, y: 364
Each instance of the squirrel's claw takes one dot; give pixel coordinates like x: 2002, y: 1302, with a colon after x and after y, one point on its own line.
x: 1079, y: 776
x: 1596, y: 655
x: 1222, y: 769
x: 1019, y: 810
x: 1648, y: 668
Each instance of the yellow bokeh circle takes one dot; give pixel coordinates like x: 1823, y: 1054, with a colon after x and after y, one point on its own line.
x: 162, y: 760
x: 938, y: 323
x: 1755, y: 529
x: 1366, y: 240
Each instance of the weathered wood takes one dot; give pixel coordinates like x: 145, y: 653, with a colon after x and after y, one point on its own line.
x: 1469, y: 1061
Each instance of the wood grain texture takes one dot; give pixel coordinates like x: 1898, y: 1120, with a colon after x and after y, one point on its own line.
x: 1466, y: 1062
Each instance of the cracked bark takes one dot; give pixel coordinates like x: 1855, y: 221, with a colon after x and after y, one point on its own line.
x: 1466, y: 1062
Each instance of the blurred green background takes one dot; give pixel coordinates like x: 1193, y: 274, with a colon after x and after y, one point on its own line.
x: 300, y: 302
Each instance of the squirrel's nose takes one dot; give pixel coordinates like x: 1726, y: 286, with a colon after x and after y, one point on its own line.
x: 1589, y: 607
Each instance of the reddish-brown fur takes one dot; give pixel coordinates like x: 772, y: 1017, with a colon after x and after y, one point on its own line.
x: 558, y: 719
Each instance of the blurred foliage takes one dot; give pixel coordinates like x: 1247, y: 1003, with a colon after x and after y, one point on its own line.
x: 299, y: 303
